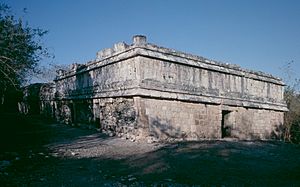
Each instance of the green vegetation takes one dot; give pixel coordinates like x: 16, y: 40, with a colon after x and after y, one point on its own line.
x: 20, y: 52
x: 292, y: 98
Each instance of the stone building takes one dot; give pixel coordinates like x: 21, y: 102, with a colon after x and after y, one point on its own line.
x: 143, y: 91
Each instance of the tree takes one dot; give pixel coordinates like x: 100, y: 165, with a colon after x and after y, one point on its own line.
x: 49, y: 72
x: 20, y: 52
x: 292, y: 117
x: 292, y: 98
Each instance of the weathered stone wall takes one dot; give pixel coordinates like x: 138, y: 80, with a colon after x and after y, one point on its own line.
x: 142, y: 90
x: 30, y: 103
x: 198, y: 84
x: 181, y: 120
x: 47, y: 100
x: 107, y: 80
x: 63, y: 112
x: 117, y: 116
x: 191, y: 121
x: 256, y: 123
x: 148, y: 70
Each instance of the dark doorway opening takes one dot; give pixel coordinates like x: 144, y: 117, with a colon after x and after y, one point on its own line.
x: 53, y: 111
x: 225, y: 126
x: 98, y: 125
x: 73, y: 113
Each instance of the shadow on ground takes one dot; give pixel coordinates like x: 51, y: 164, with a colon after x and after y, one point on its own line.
x: 57, y: 155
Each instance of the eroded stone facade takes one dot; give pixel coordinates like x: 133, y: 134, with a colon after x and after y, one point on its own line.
x: 143, y: 91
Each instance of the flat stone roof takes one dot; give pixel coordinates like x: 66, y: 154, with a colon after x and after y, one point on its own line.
x: 140, y: 47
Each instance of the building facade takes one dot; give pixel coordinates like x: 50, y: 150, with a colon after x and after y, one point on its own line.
x: 143, y: 91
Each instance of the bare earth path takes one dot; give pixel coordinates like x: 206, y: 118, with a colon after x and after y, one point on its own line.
x: 38, y: 153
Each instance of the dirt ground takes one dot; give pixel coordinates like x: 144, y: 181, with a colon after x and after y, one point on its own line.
x: 35, y: 152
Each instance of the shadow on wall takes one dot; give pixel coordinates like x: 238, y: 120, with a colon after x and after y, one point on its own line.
x: 278, y: 132
x: 29, y: 104
x: 82, y: 108
x: 163, y: 129
x: 83, y: 82
x: 76, y: 112
x: 77, y: 107
x: 47, y: 102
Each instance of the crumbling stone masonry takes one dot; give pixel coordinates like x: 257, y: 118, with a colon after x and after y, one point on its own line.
x: 141, y: 91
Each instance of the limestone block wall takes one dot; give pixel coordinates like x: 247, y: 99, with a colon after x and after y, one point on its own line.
x: 217, y: 86
x: 107, y: 79
x: 115, y: 78
x: 192, y: 121
x: 181, y: 120
x: 257, y: 124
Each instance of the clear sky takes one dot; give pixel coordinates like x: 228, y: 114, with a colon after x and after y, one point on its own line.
x: 255, y: 34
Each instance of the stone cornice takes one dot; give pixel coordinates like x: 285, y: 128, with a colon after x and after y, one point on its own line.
x: 152, y: 51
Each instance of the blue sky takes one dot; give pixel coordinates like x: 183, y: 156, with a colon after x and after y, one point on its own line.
x: 255, y: 34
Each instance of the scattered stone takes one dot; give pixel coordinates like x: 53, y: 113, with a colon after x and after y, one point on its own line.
x: 151, y: 140
x: 132, y: 139
x: 74, y: 154
x: 54, y: 154
x: 111, y: 134
x: 131, y: 179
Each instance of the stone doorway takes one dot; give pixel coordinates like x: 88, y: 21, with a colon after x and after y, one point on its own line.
x: 226, y: 126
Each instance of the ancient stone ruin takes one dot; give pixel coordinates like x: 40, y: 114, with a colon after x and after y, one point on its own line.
x: 142, y: 91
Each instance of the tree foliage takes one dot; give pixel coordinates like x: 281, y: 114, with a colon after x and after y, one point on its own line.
x: 49, y: 72
x: 292, y: 117
x: 292, y: 98
x: 20, y: 51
